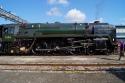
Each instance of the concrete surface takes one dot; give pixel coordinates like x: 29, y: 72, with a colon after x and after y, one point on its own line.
x: 28, y: 76
x: 60, y: 77
x: 61, y: 59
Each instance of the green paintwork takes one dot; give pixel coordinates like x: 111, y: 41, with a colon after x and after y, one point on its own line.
x: 8, y: 38
x: 33, y: 30
x: 49, y: 32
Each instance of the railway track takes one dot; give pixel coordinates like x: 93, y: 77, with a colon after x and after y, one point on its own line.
x: 62, y: 67
x: 56, y: 64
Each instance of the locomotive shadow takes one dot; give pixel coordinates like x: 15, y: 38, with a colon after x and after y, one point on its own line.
x: 118, y: 72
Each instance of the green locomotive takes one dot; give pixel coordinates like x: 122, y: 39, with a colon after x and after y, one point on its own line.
x: 51, y: 38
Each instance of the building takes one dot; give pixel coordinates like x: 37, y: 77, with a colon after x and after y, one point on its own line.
x: 120, y: 32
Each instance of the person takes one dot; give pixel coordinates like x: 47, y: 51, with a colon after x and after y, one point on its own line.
x: 121, y: 50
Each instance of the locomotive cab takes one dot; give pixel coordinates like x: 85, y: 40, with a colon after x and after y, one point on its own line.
x: 1, y: 30
x: 6, y: 39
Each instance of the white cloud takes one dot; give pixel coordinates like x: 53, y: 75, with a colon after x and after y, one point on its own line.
x: 101, y: 19
x: 51, y: 1
x: 75, y: 15
x: 54, y: 12
x: 58, y: 1
x: 63, y: 1
x: 122, y: 20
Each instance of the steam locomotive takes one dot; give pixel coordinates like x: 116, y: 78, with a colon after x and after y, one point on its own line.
x: 60, y: 38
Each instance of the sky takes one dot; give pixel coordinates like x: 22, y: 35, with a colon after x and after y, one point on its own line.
x: 42, y: 11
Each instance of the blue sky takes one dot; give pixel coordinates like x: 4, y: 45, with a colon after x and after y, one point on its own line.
x: 41, y: 11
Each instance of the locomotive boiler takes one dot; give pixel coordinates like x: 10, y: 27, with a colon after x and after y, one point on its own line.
x: 57, y: 38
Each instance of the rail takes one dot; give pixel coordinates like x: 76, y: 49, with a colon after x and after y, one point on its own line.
x: 56, y: 64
